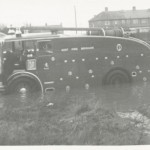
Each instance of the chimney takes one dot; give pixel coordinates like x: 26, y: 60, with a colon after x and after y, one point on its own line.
x: 106, y: 9
x: 133, y: 8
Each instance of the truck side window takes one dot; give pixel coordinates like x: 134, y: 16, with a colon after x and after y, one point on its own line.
x: 7, y: 46
x: 45, y: 46
x: 29, y: 45
x: 18, y: 45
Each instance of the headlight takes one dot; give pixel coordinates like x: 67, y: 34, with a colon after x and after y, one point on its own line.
x: 31, y: 64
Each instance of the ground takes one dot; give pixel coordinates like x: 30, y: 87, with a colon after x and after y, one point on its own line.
x: 81, y: 117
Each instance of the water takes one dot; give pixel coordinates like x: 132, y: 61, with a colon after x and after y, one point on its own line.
x: 20, y: 115
x: 121, y: 100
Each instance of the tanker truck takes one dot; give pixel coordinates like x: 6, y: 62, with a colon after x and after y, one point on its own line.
x: 48, y: 62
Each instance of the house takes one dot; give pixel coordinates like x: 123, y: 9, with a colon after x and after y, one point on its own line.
x: 132, y: 19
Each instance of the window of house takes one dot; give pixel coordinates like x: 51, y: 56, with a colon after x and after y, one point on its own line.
x: 115, y: 22
x: 144, y: 21
x: 123, y: 21
x: 102, y: 22
x: 144, y: 30
x: 91, y: 25
x: 96, y: 24
x: 128, y: 21
x: 135, y: 21
x: 99, y: 23
x: 107, y: 22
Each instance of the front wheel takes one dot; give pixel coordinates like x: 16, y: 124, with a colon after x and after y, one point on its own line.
x: 24, y: 90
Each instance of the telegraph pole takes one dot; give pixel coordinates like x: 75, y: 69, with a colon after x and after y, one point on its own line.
x: 75, y: 18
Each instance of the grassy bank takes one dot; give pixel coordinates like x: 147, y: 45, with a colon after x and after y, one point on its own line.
x: 70, y: 120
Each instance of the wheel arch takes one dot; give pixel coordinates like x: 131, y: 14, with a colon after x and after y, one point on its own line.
x: 28, y: 75
x: 116, y: 70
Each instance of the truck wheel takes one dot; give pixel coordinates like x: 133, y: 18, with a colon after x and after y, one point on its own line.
x: 24, y: 88
x: 117, y: 77
x: 117, y: 81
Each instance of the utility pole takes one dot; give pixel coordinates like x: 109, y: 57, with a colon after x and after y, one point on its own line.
x: 75, y: 18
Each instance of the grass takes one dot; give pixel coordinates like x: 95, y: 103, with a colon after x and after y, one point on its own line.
x: 79, y: 119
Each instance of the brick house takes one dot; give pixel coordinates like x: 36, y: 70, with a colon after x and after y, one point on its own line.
x: 137, y: 19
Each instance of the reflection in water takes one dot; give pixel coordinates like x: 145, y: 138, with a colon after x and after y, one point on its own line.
x: 129, y: 99
x: 55, y: 115
x: 122, y: 100
x: 20, y: 100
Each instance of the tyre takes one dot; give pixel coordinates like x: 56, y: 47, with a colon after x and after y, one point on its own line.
x: 118, y: 81
x: 24, y: 90
x: 117, y: 77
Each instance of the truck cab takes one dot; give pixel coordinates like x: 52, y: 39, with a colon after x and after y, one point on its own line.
x: 18, y: 61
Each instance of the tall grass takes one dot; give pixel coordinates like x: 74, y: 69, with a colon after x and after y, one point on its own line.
x: 72, y: 120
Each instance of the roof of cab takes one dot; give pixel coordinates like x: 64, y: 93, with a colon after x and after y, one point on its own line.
x: 2, y: 34
x: 30, y: 36
x: 38, y: 36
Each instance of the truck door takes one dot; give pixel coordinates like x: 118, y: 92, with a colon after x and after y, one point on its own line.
x: 45, y: 61
x: 57, y: 64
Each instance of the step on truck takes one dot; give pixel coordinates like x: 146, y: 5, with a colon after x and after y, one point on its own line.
x: 45, y: 62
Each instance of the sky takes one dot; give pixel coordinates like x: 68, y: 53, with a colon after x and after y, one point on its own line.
x: 55, y: 12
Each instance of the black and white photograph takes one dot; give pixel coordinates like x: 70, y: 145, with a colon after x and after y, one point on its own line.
x: 75, y: 73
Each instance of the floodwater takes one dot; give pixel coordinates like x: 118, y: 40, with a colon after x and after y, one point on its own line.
x: 29, y: 126
x: 122, y: 100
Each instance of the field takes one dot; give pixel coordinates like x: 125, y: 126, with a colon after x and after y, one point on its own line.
x: 75, y: 118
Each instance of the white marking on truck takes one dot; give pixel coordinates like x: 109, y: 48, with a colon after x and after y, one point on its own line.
x: 49, y: 82
x: 65, y: 61
x: 70, y: 73
x: 137, y: 67
x: 74, y: 49
x: 64, y: 49
x: 87, y: 48
x: 87, y: 86
x: 52, y: 58
x: 144, y: 79
x: 112, y: 62
x: 119, y: 47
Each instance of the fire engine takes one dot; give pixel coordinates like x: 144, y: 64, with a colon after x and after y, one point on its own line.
x: 47, y: 62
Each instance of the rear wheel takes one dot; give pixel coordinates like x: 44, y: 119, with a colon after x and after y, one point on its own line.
x: 118, y: 81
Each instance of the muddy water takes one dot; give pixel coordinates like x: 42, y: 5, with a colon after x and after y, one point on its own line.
x: 122, y: 100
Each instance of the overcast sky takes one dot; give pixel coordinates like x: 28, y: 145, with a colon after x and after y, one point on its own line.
x: 53, y: 12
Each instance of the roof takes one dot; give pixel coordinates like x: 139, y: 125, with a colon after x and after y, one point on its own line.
x: 37, y: 36
x: 30, y: 36
x: 2, y: 34
x: 122, y: 14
